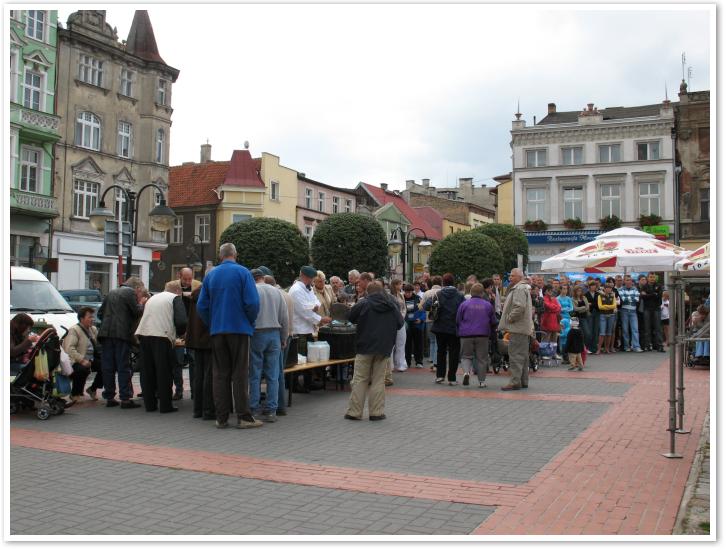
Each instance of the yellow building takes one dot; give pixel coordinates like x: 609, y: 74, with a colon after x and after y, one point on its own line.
x: 242, y: 192
x: 280, y: 189
x: 505, y: 199
x: 449, y: 226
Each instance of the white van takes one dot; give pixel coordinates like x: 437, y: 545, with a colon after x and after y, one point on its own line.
x: 33, y: 294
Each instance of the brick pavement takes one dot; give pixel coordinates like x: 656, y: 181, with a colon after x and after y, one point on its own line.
x: 540, y: 460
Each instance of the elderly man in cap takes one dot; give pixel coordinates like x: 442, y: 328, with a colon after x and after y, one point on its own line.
x: 306, y: 314
x: 267, y: 341
x: 228, y: 304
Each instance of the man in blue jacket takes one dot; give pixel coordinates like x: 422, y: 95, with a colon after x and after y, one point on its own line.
x: 228, y: 304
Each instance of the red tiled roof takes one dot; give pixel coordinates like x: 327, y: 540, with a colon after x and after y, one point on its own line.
x: 431, y: 215
x: 244, y: 171
x: 417, y: 221
x: 192, y: 185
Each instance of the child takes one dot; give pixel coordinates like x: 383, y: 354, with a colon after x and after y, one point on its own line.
x: 575, y: 345
x: 565, y: 325
x: 665, y: 316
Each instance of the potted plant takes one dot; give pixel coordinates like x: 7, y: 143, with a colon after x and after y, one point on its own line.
x: 535, y: 225
x: 650, y: 220
x: 574, y: 224
x: 610, y: 223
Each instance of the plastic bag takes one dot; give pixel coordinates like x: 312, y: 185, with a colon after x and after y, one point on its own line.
x: 41, y: 366
x: 65, y: 364
x: 62, y: 384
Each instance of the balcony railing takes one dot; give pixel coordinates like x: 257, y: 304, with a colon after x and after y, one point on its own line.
x: 44, y: 122
x: 33, y: 203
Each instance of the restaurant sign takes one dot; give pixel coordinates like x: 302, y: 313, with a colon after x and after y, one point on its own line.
x: 571, y: 236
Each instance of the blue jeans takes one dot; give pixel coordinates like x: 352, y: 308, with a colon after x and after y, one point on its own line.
x: 629, y: 321
x: 265, y: 358
x: 115, y: 358
x: 607, y: 324
x: 593, y: 332
x: 281, y: 405
x: 433, y: 348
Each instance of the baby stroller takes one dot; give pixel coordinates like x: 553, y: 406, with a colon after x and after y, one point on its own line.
x: 547, y: 352
x: 28, y: 392
x: 503, y: 355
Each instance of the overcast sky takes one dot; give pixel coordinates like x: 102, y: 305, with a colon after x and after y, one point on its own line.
x: 386, y: 93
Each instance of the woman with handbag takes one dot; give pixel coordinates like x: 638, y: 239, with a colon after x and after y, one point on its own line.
x: 82, y: 347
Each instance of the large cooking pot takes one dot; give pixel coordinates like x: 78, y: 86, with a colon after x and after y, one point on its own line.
x: 340, y: 337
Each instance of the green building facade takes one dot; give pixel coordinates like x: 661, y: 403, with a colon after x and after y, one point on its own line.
x: 34, y: 130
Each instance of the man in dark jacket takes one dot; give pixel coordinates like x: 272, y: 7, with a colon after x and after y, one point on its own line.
x: 118, y: 314
x: 378, y: 319
x: 651, y: 295
x: 199, y: 340
x: 444, y: 327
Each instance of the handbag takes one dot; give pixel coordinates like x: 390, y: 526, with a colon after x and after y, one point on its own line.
x: 435, y: 308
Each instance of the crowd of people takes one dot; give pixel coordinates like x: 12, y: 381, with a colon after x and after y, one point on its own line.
x: 235, y: 328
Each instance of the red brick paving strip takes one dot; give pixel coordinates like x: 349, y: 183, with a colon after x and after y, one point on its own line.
x: 287, y: 472
x: 612, y: 479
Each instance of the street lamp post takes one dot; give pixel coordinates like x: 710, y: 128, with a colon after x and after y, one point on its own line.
x: 161, y: 217
x: 396, y: 245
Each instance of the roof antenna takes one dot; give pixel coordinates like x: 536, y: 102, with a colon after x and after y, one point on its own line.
x: 683, y: 65
x: 247, y: 144
x: 518, y: 114
x: 207, y: 141
x: 666, y: 90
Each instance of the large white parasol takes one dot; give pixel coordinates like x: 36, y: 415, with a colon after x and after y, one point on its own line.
x: 615, y: 251
x: 700, y: 259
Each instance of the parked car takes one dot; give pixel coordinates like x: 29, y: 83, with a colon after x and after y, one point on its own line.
x: 33, y: 294
x: 78, y: 298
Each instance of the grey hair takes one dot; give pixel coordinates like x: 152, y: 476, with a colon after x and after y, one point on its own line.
x: 335, y: 278
x: 228, y: 250
x: 353, y: 273
x: 186, y: 268
x: 173, y: 287
x: 270, y: 280
x: 134, y: 282
x: 517, y: 271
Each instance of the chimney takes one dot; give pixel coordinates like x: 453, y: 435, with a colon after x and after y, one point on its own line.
x: 410, y: 183
x: 551, y: 109
x: 206, y: 153
x: 384, y: 186
x: 425, y: 182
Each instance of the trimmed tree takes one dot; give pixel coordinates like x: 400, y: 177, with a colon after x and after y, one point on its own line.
x: 348, y: 241
x: 270, y: 242
x: 511, y: 241
x: 467, y: 252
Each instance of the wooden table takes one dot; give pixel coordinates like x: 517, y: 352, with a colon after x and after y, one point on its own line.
x: 297, y: 368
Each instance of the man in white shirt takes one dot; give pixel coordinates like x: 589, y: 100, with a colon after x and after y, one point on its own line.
x: 305, y: 315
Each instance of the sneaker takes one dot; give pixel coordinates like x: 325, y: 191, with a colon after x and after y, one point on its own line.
x: 401, y: 369
x: 453, y: 383
x: 482, y: 384
x: 439, y: 380
x: 281, y: 412
x: 626, y: 349
x: 245, y: 424
x: 112, y: 403
x: 419, y: 366
x: 558, y: 357
x: 221, y: 424
x: 389, y: 383
x: 571, y: 368
x: 129, y: 404
x: 579, y: 368
x: 351, y: 418
x: 269, y: 417
x: 637, y: 350
x: 92, y: 393
x: 465, y: 382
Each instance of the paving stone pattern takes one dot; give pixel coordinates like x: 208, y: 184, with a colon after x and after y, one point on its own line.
x: 484, y: 440
x: 139, y: 499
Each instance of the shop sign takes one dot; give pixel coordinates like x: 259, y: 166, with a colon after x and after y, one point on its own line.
x: 572, y: 236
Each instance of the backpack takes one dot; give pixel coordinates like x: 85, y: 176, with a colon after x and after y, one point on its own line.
x: 435, y: 308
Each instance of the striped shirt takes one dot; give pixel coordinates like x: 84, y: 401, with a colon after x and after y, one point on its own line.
x: 629, y: 298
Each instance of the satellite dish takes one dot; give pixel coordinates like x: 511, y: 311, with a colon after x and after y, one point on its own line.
x: 247, y: 144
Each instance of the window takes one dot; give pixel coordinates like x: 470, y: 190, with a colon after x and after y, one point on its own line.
x: 31, y: 96
x: 160, y: 146
x: 572, y: 155
x: 572, y: 198
x: 321, y: 201
x: 85, y: 198
x: 308, y: 198
x: 704, y: 204
x: 98, y: 276
x: 240, y: 217
x: 120, y: 205
x: 124, y: 139
x: 649, y: 198
x: 536, y: 157
x: 336, y: 204
x: 35, y: 24
x: 348, y: 205
x: 274, y: 191
x: 177, y: 232
x: 157, y: 198
x: 202, y: 226
x: 29, y: 166
x: 20, y: 247
x: 609, y: 153
x: 308, y: 232
x: 609, y: 200
x: 88, y: 131
x: 127, y: 82
x: 161, y: 92
x: 90, y: 70
x: 535, y: 204
x: 704, y: 142
x: 649, y: 151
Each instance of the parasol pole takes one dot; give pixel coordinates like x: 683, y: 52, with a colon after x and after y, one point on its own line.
x: 680, y: 352
x: 672, y: 382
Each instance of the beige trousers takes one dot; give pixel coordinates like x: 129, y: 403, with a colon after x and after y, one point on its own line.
x: 369, y: 373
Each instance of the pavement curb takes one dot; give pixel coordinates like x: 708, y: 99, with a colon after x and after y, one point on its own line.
x: 683, y: 512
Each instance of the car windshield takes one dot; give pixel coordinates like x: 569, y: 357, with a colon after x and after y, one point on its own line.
x: 31, y: 296
x: 90, y: 297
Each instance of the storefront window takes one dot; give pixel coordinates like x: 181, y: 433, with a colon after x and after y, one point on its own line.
x: 98, y: 276
x: 20, y: 246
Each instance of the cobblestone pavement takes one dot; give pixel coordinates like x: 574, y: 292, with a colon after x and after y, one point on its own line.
x: 448, y: 460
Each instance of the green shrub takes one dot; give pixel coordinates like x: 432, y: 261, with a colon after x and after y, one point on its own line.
x: 467, y: 252
x: 511, y: 242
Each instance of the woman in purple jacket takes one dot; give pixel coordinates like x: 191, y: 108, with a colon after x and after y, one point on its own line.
x: 475, y: 323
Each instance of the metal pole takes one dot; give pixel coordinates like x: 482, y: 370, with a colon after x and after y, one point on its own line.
x: 403, y: 255
x: 676, y: 196
x: 133, y: 218
x: 672, y: 388
x: 120, y: 271
x: 680, y: 348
